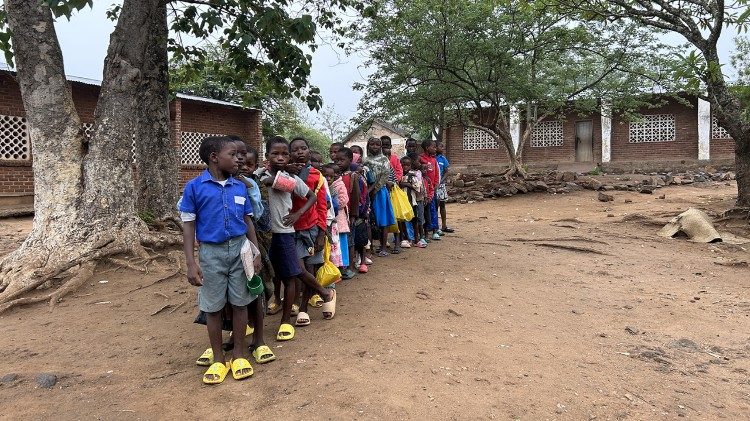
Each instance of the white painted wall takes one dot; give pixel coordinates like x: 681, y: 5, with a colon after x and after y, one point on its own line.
x: 704, y: 130
x: 606, y: 113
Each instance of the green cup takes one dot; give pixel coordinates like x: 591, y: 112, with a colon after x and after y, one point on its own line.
x: 255, y: 285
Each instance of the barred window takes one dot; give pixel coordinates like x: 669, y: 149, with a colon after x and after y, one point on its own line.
x: 653, y: 128
x: 475, y: 139
x: 191, y: 143
x: 718, y: 132
x: 14, y: 138
x: 546, y: 134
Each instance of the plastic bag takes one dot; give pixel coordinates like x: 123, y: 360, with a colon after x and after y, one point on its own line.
x: 401, y: 206
x: 328, y: 273
x: 247, y: 254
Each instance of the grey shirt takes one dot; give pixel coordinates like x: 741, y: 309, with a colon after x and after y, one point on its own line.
x: 280, y: 202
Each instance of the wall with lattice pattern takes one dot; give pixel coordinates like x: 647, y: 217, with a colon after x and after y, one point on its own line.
x: 718, y: 132
x: 191, y: 142
x: 14, y: 138
x: 475, y: 139
x: 546, y: 134
x: 653, y: 128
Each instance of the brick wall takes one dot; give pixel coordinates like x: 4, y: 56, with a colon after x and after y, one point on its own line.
x: 566, y: 152
x: 16, y: 177
x: 684, y: 146
x: 454, y: 139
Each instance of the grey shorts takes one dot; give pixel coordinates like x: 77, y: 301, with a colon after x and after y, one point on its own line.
x: 419, y: 212
x: 304, y: 241
x: 223, y: 276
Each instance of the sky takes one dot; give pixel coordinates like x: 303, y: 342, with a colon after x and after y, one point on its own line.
x: 85, y: 38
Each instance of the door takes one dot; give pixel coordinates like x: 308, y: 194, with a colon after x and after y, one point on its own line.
x: 584, y: 141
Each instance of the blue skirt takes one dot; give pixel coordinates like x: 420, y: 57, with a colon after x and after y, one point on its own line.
x: 383, y: 209
x: 344, y: 246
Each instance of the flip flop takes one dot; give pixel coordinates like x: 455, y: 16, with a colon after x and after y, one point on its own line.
x: 295, y: 310
x: 286, y: 332
x: 273, y: 308
x: 249, y: 330
x: 219, y: 370
x: 395, y: 251
x: 448, y: 230
x: 329, y: 307
x: 263, y: 354
x: 206, y: 359
x: 303, y: 319
x: 315, y: 301
x: 241, y: 364
x: 382, y: 253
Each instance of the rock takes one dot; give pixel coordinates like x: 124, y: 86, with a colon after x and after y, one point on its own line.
x: 631, y: 330
x: 658, y: 182
x: 622, y: 187
x: 469, y: 183
x: 609, y: 215
x: 573, y: 186
x: 608, y: 188
x: 46, y: 380
x: 605, y: 197
x: 595, y: 184
x: 647, y: 189
x: 540, y: 186
x: 686, y: 181
x: 459, y: 183
x: 9, y: 378
x: 520, y: 187
x: 668, y: 179
x: 628, y: 201
x: 568, y: 176
x: 563, y: 190
x: 662, y: 197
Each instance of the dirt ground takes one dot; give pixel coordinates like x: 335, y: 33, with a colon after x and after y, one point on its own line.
x: 495, y: 321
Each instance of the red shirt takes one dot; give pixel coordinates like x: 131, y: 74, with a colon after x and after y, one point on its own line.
x: 431, y: 173
x: 318, y: 213
x: 396, y: 165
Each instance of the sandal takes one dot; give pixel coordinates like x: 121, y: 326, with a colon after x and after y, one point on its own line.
x: 303, y: 319
x: 396, y: 251
x: 315, y: 301
x: 241, y: 364
x: 273, y: 308
x: 448, y: 230
x: 263, y: 354
x: 382, y: 253
x: 368, y: 261
x: 295, y: 310
x: 286, y: 331
x: 329, y: 307
x: 206, y: 359
x: 216, y: 373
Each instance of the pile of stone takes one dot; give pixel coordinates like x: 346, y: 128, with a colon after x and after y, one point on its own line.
x: 465, y: 188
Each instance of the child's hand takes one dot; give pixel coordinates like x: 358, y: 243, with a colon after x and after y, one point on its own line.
x: 257, y: 264
x: 291, y: 218
x: 195, y: 275
x: 320, y: 241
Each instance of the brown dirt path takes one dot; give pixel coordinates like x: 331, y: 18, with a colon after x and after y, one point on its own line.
x: 488, y: 323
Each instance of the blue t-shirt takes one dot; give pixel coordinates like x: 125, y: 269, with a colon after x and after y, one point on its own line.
x: 443, y: 164
x: 219, y: 210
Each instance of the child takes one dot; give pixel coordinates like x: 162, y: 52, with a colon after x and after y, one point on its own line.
x: 341, y: 224
x: 412, y: 182
x: 398, y: 174
x: 442, y: 191
x: 216, y: 210
x: 310, y: 230
x: 356, y: 149
x: 356, y: 192
x: 316, y: 160
x: 432, y: 176
x: 411, y: 147
x: 283, y: 250
x: 334, y: 149
x: 379, y: 180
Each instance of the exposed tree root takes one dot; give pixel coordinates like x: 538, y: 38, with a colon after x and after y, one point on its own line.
x: 126, y: 264
x: 581, y: 239
x: 85, y: 272
x: 571, y: 248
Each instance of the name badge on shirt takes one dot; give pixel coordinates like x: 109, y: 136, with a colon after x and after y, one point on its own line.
x: 239, y: 200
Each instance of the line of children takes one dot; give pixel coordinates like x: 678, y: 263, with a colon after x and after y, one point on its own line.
x: 289, y: 209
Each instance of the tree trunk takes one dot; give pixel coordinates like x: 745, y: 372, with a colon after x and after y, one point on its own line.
x: 742, y: 166
x: 157, y: 158
x: 83, y: 195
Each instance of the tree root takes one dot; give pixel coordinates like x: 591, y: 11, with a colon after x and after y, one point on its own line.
x: 85, y: 272
x: 571, y: 248
x: 126, y: 264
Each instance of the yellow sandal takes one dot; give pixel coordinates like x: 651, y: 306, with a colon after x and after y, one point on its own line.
x: 206, y: 359
x: 241, y: 364
x: 219, y: 370
x: 286, y: 332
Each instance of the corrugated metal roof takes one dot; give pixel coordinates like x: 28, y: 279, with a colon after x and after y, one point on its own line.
x: 93, y: 82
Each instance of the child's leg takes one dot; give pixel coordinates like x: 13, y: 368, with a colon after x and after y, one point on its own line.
x: 213, y: 323
x: 307, y: 292
x: 444, y: 226
x: 255, y: 318
x: 290, y: 294
x: 277, y: 289
x: 239, y: 323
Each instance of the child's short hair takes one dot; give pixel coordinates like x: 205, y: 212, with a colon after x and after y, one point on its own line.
x: 385, y: 138
x: 361, y: 152
x: 275, y: 140
x: 426, y: 144
x: 296, y: 138
x: 413, y: 157
x: 235, y: 138
x: 332, y: 166
x: 252, y: 151
x: 339, y: 144
x: 405, y: 159
x: 212, y: 144
x: 347, y: 152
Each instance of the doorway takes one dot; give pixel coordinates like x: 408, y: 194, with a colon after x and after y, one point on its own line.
x: 584, y: 141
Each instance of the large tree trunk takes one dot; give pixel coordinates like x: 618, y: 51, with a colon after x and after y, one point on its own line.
x: 157, y: 158
x: 742, y: 164
x: 83, y: 201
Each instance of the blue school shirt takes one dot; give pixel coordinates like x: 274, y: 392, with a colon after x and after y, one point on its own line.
x: 254, y: 194
x: 443, y: 164
x: 219, y: 210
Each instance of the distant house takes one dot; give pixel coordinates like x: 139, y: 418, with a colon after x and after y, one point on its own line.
x: 673, y: 133
x: 376, y: 128
x: 191, y: 119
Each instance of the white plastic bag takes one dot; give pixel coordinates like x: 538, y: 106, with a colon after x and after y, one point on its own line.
x: 248, y: 253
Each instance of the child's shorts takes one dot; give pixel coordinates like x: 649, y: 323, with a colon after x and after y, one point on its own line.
x: 304, y: 241
x: 419, y: 212
x: 224, y: 277
x: 283, y: 254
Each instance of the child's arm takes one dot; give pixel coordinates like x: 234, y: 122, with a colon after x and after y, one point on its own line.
x: 354, y: 198
x: 292, y: 218
x: 252, y: 237
x: 194, y: 273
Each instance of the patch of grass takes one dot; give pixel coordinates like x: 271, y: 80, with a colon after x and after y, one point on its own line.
x: 596, y: 171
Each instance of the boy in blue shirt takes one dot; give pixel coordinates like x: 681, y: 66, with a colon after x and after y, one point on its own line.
x: 216, y: 209
x: 442, y: 192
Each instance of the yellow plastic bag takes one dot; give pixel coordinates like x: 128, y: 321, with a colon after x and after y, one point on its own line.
x: 328, y: 273
x: 401, y: 206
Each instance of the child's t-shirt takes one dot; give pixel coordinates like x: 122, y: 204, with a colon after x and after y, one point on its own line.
x: 280, y: 202
x: 415, y: 186
x: 316, y: 215
x: 443, y: 165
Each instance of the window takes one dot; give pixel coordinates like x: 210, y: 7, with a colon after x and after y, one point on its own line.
x: 475, y: 139
x: 653, y: 128
x: 191, y: 142
x: 718, y: 132
x: 546, y: 134
x: 14, y: 138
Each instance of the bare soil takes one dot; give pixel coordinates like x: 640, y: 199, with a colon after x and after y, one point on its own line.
x: 538, y: 307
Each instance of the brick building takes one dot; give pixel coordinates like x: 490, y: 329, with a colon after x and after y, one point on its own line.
x: 673, y: 133
x: 191, y: 119
x: 377, y: 128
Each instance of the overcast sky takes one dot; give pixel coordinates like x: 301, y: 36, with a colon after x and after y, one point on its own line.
x: 85, y: 38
